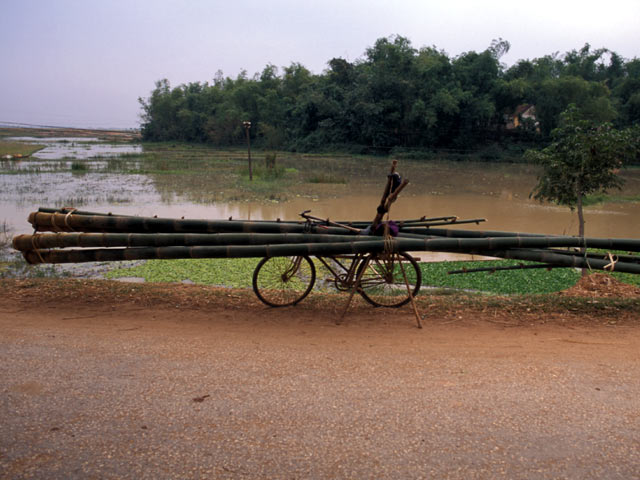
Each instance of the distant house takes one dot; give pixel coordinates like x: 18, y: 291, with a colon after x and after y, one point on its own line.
x: 524, y: 116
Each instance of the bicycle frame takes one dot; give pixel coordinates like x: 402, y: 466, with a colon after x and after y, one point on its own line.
x: 284, y: 281
x: 346, y: 278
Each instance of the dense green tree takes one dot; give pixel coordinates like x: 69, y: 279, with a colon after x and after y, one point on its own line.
x: 627, y: 93
x: 584, y: 158
x: 396, y: 96
x: 554, y: 95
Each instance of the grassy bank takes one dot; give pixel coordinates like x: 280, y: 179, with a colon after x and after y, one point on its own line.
x: 18, y: 149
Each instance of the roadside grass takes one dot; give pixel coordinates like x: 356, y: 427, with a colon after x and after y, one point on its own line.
x: 18, y: 268
x: 232, y: 273
x: 237, y: 273
x: 506, y: 282
x: 630, y: 278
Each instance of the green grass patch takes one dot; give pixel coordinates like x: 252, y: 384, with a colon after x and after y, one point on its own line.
x: 18, y: 148
x: 601, y: 198
x: 18, y: 268
x: 508, y: 282
x: 630, y: 278
x: 236, y: 272
x: 260, y: 172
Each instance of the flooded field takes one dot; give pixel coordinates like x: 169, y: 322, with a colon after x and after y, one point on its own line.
x: 56, y: 148
x: 199, y: 182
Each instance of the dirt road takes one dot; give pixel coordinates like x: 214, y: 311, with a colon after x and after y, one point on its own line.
x: 96, y: 384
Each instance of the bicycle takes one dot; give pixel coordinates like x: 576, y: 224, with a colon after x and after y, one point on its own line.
x: 380, y: 278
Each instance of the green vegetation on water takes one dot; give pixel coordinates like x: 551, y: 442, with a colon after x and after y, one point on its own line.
x: 233, y: 272
x: 237, y: 273
x: 506, y: 282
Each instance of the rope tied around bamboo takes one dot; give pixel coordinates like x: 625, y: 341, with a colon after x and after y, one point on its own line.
x: 613, y: 259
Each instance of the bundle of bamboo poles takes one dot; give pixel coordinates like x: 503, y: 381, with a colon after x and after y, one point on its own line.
x: 89, y: 236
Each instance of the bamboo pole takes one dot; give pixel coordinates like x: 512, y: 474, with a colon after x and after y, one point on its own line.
x: 471, y: 245
x: 454, y: 233
x: 70, y: 220
x: 59, y: 222
x: 74, y: 211
x: 324, y: 249
x: 575, y: 261
x: 359, y: 224
x: 601, y: 255
x: 419, y: 224
x: 27, y: 242
x: 511, y: 267
x: 232, y: 251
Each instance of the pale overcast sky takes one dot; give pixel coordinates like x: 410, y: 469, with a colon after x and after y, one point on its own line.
x: 85, y: 62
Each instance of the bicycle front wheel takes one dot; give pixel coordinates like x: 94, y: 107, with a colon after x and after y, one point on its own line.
x: 283, y: 281
x: 382, y: 284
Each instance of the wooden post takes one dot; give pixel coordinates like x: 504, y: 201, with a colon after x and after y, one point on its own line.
x: 247, y: 127
x: 355, y: 286
x: 406, y: 282
x: 387, y: 190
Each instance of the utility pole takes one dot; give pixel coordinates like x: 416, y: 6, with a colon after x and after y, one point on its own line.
x: 247, y: 127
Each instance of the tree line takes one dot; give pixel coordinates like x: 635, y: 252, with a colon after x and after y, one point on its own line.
x: 398, y: 97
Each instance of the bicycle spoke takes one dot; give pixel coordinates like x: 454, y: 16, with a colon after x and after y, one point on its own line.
x: 281, y: 281
x: 383, y: 284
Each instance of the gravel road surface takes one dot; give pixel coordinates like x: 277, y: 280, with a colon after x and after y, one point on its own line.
x: 122, y: 391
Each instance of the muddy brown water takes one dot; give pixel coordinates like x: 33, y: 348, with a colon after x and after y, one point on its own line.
x: 497, y: 192
x: 501, y: 212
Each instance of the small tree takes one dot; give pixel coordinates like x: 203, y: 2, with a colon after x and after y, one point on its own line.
x: 584, y: 158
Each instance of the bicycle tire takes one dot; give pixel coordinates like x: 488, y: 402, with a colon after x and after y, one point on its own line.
x: 276, y: 285
x: 382, y: 288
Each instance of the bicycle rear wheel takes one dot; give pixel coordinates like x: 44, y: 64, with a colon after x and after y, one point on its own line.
x: 382, y: 284
x: 283, y: 281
